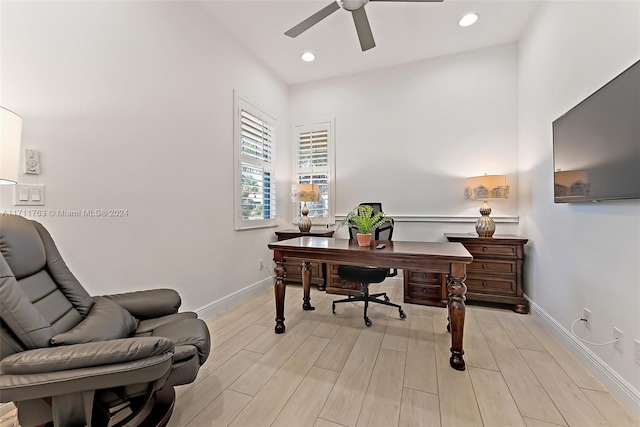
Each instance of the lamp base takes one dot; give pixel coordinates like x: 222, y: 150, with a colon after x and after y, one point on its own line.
x: 485, y: 226
x: 305, y: 222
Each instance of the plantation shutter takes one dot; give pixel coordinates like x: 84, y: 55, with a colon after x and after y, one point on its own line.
x: 314, y: 165
x: 256, y: 189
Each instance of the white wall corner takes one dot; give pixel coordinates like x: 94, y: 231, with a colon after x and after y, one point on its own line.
x: 628, y: 395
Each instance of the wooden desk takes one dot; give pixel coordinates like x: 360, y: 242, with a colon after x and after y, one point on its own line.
x: 294, y: 266
x: 448, y: 258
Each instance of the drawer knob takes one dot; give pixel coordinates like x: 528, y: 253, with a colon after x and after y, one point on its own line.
x: 424, y: 275
x: 485, y: 249
x: 484, y: 284
x: 484, y: 266
x: 423, y: 290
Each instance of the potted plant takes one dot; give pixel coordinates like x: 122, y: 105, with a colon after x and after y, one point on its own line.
x: 362, y: 219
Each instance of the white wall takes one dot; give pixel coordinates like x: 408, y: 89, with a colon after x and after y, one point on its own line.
x: 407, y: 136
x: 579, y: 255
x: 131, y: 107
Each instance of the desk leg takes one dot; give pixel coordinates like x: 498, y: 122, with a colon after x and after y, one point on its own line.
x: 456, y: 307
x: 279, y: 289
x: 306, y: 286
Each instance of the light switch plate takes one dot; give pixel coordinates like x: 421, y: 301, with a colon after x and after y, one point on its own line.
x: 28, y: 195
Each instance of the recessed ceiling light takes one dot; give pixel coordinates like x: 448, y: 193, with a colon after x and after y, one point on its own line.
x: 468, y: 19
x: 308, y: 57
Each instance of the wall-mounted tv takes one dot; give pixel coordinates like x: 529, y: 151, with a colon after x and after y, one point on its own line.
x: 596, y: 144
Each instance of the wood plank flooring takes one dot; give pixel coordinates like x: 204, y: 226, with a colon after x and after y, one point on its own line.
x: 330, y: 370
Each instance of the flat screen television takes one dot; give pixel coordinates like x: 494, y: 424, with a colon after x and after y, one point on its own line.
x: 596, y: 144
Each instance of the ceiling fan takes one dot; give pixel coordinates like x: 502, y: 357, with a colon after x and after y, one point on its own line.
x: 356, y: 7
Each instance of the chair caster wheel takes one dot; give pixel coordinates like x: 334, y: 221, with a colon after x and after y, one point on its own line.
x: 386, y: 298
x: 402, y: 315
x: 367, y: 322
x: 333, y: 308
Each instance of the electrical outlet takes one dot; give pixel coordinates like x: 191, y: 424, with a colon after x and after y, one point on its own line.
x: 636, y: 351
x: 260, y: 264
x: 586, y: 315
x: 617, y: 335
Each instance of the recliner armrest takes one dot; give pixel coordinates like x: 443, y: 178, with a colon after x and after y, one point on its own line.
x: 149, y: 303
x: 93, y: 354
x: 154, y: 369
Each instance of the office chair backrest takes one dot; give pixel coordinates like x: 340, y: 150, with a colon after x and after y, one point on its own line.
x: 376, y: 206
x: 384, y: 232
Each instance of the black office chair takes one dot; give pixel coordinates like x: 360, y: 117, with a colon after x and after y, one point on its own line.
x: 368, y: 275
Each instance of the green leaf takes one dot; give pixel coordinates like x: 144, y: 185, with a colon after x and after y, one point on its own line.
x: 362, y: 218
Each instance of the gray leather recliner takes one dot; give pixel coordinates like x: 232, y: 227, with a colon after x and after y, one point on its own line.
x: 69, y: 359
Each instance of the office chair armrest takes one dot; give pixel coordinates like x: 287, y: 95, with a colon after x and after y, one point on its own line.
x: 148, y: 304
x: 88, y: 355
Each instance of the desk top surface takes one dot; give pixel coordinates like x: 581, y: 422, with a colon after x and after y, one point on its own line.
x: 316, y: 245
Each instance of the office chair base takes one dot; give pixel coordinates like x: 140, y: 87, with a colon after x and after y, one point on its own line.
x: 366, y: 298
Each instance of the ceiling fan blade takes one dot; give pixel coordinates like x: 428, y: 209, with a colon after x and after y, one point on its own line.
x: 312, y: 20
x: 363, y: 28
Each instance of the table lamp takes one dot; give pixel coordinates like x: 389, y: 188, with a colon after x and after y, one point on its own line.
x: 483, y: 188
x: 305, y: 193
x: 10, y: 132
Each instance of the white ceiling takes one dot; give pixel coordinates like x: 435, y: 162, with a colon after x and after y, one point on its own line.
x: 404, y: 32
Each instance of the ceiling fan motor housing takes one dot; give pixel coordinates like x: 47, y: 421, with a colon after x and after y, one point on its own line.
x: 351, y: 5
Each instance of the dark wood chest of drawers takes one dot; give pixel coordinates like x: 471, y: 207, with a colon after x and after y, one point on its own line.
x: 495, y: 275
x: 294, y: 265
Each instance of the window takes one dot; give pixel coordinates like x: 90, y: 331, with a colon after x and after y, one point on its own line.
x: 255, y: 189
x: 314, y: 164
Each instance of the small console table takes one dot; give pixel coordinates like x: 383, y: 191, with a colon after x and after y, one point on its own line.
x: 495, y: 275
x: 294, y: 265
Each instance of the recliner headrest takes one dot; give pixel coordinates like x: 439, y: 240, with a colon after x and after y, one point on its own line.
x: 18, y: 235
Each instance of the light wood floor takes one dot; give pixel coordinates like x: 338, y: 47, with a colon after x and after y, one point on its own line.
x: 331, y: 370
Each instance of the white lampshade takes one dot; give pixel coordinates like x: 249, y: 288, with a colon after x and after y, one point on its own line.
x: 305, y: 192
x: 10, y: 132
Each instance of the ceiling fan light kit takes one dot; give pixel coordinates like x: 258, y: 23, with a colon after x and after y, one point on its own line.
x: 356, y: 7
x: 351, y: 5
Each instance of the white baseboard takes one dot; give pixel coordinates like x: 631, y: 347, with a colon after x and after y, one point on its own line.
x: 223, y: 303
x: 618, y: 386
x: 230, y: 300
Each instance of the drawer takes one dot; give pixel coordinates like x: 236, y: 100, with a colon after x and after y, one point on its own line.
x: 486, y: 285
x: 335, y: 285
x: 294, y: 268
x: 492, y: 266
x: 488, y: 249
x: 424, y: 277
x: 424, y: 292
